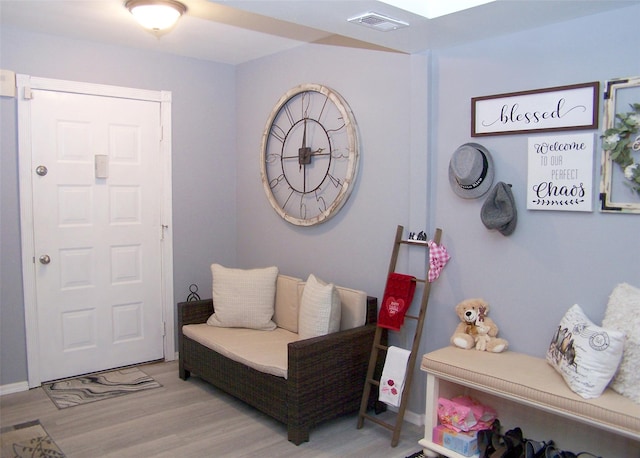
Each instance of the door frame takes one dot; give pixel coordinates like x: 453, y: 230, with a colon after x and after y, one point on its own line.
x: 25, y: 85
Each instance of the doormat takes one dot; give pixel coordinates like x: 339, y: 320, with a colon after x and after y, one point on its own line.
x: 96, y: 387
x: 28, y: 440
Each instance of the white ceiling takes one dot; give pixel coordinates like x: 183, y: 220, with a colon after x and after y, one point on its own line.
x: 236, y: 31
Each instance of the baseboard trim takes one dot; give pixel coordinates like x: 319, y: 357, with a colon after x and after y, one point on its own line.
x: 14, y: 388
x: 412, y: 417
x: 415, y: 418
x: 11, y: 388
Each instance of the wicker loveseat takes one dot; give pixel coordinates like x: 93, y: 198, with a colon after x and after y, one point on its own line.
x: 323, y: 376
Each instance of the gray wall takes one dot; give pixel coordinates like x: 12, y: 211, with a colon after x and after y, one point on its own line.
x: 204, y: 124
x: 554, y: 259
x: 412, y: 112
x: 351, y: 248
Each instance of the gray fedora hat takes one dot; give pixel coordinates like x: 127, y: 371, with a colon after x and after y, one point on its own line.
x: 471, y: 171
x: 499, y: 210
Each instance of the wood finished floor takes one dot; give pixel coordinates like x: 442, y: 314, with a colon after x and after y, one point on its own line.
x: 193, y: 419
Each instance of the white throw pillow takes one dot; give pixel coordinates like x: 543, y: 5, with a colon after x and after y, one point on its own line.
x: 623, y: 314
x: 586, y: 355
x: 243, y: 298
x: 320, y: 309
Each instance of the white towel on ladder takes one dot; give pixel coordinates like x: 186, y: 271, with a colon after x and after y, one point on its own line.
x: 393, y: 375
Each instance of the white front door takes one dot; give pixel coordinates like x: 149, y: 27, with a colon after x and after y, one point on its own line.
x: 98, y: 229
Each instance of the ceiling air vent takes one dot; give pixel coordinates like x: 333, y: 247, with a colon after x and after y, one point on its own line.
x: 379, y: 22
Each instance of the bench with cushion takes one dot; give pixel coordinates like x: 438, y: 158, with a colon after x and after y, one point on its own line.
x: 528, y: 381
x: 590, y: 377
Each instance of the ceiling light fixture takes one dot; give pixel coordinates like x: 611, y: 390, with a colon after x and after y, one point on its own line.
x: 156, y: 15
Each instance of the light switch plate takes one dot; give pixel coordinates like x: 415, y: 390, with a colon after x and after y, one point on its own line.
x: 7, y: 83
x: 102, y: 166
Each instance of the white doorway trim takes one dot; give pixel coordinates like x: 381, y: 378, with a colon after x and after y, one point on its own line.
x: 25, y: 84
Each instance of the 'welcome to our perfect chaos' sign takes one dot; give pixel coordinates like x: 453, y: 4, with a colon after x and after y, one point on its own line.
x: 560, y: 173
x: 557, y: 108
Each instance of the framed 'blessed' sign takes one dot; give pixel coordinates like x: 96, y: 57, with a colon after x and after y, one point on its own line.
x: 542, y: 110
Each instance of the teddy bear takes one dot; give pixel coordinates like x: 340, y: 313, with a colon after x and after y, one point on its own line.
x: 476, y: 329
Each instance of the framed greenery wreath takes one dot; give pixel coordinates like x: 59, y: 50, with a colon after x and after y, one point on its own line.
x: 621, y: 141
x: 620, y: 171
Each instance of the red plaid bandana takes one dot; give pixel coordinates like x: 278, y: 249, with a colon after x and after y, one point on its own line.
x: 438, y: 257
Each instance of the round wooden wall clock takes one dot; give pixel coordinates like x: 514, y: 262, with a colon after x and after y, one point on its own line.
x: 309, y: 155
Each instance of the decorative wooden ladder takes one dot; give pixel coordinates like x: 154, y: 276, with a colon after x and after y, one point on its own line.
x: 377, y: 346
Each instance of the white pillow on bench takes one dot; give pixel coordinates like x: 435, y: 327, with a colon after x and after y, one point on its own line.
x: 586, y: 355
x: 623, y: 314
x: 320, y: 309
x: 243, y: 298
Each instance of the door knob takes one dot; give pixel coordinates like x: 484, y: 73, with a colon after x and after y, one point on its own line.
x: 45, y: 259
x: 41, y: 170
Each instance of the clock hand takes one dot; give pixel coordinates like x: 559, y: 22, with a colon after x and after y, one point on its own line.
x: 303, y: 149
x: 304, y: 153
x: 304, y: 134
x: 304, y: 179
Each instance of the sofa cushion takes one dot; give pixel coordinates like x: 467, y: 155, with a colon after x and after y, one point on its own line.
x: 286, y: 309
x: 265, y: 351
x: 243, y: 298
x: 353, y: 312
x: 354, y: 308
x: 586, y: 355
x: 623, y: 314
x: 320, y: 309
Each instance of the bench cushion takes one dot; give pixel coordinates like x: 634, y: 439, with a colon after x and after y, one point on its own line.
x: 265, y: 351
x: 533, y: 381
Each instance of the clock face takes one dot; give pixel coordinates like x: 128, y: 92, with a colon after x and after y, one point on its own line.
x: 309, y: 157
